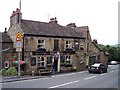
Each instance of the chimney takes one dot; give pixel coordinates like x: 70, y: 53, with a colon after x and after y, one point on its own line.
x: 53, y: 20
x: 95, y: 41
x: 71, y: 25
x: 5, y: 30
x: 14, y: 19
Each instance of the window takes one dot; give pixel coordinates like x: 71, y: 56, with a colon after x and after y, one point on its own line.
x: 56, y: 45
x: 87, y: 47
x: 6, y: 64
x: 40, y: 62
x: 33, y: 61
x: 62, y: 58
x: 41, y: 44
x: 68, y: 59
x: 68, y: 44
x: 49, y: 60
x: 87, y: 35
x: 76, y: 42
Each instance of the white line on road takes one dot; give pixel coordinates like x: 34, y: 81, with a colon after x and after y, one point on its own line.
x: 103, y: 74
x: 63, y: 84
x: 112, y: 71
x: 90, y: 77
x: 68, y: 74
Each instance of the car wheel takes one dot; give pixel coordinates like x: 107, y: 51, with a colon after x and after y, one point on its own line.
x: 89, y: 71
x: 101, y: 72
x: 106, y: 71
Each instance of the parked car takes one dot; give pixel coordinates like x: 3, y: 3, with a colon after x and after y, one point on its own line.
x: 97, y: 68
x: 113, y: 62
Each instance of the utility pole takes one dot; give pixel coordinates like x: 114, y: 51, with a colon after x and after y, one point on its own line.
x: 18, y: 32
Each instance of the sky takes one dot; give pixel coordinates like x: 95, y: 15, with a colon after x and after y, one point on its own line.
x: 100, y: 15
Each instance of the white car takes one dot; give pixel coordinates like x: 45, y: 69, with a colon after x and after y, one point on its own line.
x: 113, y: 62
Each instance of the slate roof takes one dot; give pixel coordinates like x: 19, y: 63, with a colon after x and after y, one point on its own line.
x: 81, y: 29
x: 48, y: 29
x: 4, y: 38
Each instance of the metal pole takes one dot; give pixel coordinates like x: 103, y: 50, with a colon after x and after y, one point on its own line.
x: 18, y: 64
x: 19, y: 28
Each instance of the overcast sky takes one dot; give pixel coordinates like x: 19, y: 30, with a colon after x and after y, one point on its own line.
x: 100, y: 15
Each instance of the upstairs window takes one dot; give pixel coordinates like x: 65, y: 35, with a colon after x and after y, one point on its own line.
x: 56, y: 45
x: 76, y: 43
x: 68, y: 44
x: 41, y: 44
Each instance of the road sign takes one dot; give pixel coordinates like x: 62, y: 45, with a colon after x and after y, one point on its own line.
x: 18, y: 44
x: 18, y: 49
x: 18, y: 37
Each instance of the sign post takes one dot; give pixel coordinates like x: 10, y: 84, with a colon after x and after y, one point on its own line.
x: 18, y: 49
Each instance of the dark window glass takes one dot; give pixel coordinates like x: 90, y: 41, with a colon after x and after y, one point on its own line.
x: 33, y: 61
x: 56, y: 45
x: 49, y: 60
x: 62, y: 58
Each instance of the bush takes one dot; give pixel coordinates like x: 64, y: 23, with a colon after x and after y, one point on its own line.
x: 3, y: 72
x: 11, y: 71
x: 73, y: 68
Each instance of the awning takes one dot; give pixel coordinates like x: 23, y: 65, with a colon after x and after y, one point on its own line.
x: 21, y: 62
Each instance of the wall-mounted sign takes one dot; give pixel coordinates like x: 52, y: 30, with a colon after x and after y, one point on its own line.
x: 18, y: 42
x: 18, y: 37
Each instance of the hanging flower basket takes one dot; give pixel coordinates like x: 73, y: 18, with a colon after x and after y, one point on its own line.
x: 15, y: 62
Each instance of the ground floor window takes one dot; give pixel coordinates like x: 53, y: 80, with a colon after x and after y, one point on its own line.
x: 40, y: 62
x: 49, y: 60
x: 33, y: 61
x: 68, y: 59
x: 6, y: 64
x: 62, y: 58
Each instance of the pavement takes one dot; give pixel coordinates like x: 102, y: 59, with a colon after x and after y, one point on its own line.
x: 16, y: 78
x: 4, y: 79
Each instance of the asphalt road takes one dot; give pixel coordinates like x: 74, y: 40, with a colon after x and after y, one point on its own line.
x: 71, y: 80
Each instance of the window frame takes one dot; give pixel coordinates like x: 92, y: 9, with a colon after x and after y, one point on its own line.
x: 39, y: 61
x: 68, y: 59
x: 35, y: 61
x: 68, y: 45
x: 41, y: 44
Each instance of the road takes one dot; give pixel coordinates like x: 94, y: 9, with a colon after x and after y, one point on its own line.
x: 71, y: 80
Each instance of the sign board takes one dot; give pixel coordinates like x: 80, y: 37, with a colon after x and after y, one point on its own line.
x: 18, y: 42
x: 18, y: 37
x: 18, y: 49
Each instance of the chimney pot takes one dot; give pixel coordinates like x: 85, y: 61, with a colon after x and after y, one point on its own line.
x: 17, y: 10
x: 5, y: 30
x: 53, y: 20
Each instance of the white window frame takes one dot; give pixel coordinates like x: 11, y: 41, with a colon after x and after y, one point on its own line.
x: 68, y: 59
x: 39, y: 60
x: 68, y: 45
x: 6, y: 64
x: 42, y: 45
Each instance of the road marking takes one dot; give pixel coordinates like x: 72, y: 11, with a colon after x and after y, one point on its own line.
x: 112, y: 71
x: 68, y: 74
x: 103, y: 74
x: 63, y: 84
x: 64, y: 75
x: 90, y: 77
